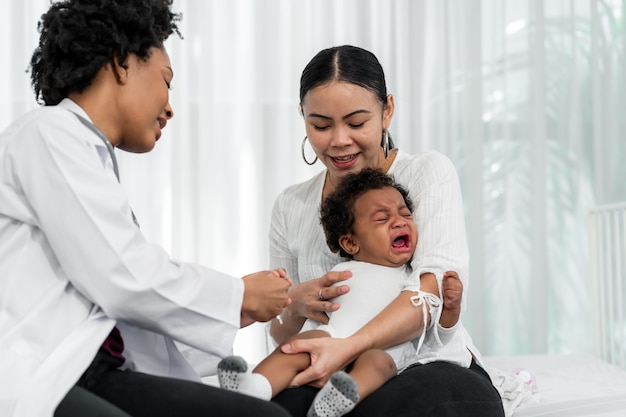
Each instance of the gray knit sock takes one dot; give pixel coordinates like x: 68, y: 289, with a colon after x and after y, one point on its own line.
x: 336, y: 398
x: 233, y: 375
x: 230, y: 370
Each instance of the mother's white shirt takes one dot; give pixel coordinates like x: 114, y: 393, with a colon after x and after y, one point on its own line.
x: 298, y: 244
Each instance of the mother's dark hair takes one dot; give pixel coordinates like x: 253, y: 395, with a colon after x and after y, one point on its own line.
x: 78, y: 37
x: 346, y: 63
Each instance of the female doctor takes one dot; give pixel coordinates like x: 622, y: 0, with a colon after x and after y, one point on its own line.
x: 89, y: 310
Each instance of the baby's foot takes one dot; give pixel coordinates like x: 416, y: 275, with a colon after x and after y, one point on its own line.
x: 230, y: 372
x: 336, y: 398
x: 233, y: 375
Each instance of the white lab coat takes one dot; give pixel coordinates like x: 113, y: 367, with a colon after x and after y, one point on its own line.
x: 73, y: 265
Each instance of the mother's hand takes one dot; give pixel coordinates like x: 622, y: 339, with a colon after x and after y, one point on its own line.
x: 313, y: 299
x: 328, y: 355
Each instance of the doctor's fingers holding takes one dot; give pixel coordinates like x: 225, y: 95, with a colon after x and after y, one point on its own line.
x: 265, y: 295
x: 280, y: 272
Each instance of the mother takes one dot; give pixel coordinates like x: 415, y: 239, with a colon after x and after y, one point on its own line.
x: 347, y: 113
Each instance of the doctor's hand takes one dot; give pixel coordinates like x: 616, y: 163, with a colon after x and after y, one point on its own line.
x: 265, y: 295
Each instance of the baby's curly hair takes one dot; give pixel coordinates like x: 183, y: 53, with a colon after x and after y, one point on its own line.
x: 337, y: 210
x: 78, y: 37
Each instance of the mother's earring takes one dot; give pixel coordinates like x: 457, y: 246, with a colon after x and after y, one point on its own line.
x: 385, y: 144
x: 304, y: 156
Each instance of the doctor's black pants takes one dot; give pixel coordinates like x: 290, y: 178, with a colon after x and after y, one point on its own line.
x: 105, y: 391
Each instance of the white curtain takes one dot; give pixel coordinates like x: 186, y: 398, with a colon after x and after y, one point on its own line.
x: 527, y: 97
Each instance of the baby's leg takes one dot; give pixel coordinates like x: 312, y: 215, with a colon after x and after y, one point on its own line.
x: 271, y: 376
x: 371, y: 370
x: 280, y: 368
x: 343, y: 391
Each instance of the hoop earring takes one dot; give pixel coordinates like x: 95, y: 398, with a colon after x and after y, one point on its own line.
x: 304, y: 156
x: 385, y: 144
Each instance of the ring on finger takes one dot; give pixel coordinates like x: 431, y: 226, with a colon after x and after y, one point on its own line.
x: 320, y: 296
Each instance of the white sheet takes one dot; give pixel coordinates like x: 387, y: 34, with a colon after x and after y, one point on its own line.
x: 569, y: 385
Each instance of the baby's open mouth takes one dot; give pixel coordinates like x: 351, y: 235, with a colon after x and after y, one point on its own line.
x: 401, y: 241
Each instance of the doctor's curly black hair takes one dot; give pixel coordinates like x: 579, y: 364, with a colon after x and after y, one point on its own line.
x: 337, y: 210
x: 78, y: 37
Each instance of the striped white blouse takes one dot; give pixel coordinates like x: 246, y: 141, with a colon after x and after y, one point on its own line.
x: 298, y: 244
